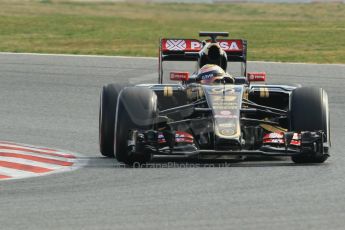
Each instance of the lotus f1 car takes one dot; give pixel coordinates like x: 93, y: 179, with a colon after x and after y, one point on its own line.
x: 224, y: 120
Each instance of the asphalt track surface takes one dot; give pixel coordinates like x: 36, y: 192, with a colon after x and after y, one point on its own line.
x: 53, y: 101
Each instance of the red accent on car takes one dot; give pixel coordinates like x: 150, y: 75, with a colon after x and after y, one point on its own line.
x: 273, y: 138
x: 296, y: 139
x: 180, y: 137
x: 187, y: 45
x: 193, y: 45
x: 179, y: 76
x: 296, y: 143
x: 256, y: 76
x: 230, y: 45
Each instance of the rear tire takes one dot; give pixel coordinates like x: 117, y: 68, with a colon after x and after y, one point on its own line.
x: 137, y: 109
x: 107, y: 111
x: 309, y: 112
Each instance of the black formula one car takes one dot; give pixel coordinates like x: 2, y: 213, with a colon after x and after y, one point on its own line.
x: 228, y: 118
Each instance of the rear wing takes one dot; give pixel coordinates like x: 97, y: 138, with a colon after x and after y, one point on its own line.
x: 180, y: 49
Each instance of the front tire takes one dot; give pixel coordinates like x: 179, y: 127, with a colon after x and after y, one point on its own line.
x: 137, y: 109
x: 309, y: 112
x: 107, y: 111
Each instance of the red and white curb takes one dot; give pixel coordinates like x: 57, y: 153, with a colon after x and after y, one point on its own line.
x: 22, y: 161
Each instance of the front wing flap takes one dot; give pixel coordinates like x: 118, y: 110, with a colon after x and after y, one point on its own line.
x: 179, y: 144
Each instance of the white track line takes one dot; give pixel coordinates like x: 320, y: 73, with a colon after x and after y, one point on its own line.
x: 32, y: 163
x: 14, y: 173
x: 78, y: 55
x: 38, y: 155
x: 30, y: 149
x: 154, y: 58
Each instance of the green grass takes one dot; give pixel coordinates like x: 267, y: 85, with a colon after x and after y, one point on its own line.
x: 275, y: 32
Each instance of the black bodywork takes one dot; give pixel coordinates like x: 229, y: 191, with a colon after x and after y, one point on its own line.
x: 225, y: 121
x: 191, y: 109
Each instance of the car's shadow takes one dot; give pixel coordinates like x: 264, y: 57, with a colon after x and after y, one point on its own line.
x: 105, y: 162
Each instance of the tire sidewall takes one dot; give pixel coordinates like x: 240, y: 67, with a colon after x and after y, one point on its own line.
x: 130, y: 112
x: 107, y: 111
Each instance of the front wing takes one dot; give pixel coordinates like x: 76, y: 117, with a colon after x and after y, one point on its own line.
x: 274, y: 144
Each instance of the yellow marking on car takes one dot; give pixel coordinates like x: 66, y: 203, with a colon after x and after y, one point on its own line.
x: 273, y: 129
x: 245, y: 94
x: 168, y: 91
x: 264, y: 93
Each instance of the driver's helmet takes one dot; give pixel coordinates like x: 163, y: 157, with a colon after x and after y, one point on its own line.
x: 213, y: 74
